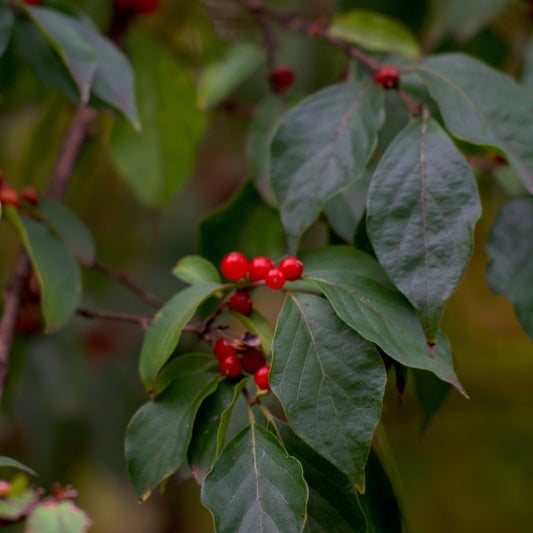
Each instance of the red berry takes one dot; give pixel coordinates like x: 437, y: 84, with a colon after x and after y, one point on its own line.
x: 275, y: 279
x: 33, y: 2
x: 143, y: 7
x: 241, y: 302
x: 223, y: 349
x: 9, y: 196
x: 388, y: 77
x: 281, y: 78
x: 5, y: 488
x: 230, y: 366
x: 259, y: 267
x: 234, y: 266
x: 252, y: 360
x: 30, y: 195
x: 292, y: 267
x: 261, y: 377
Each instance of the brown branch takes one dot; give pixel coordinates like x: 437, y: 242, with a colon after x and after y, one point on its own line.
x: 143, y: 321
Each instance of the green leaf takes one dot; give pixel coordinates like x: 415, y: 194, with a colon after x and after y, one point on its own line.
x: 258, y: 325
x: 77, y: 54
x: 160, y: 431
x: 421, y: 210
x: 57, y: 517
x: 7, y: 19
x: 58, y: 273
x: 245, y: 224
x: 15, y: 507
x: 365, y: 299
x: 430, y: 393
x: 194, y: 362
x: 483, y: 106
x: 375, y: 32
x: 322, y: 145
x: 13, y: 463
x: 220, y: 79
x: 210, y: 428
x: 156, y: 162
x: 164, y: 333
x: 330, y: 382
x: 333, y: 504
x: 71, y: 230
x: 255, y: 486
x: 194, y: 269
x: 510, y: 251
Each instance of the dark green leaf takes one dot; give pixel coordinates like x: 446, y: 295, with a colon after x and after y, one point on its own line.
x: 258, y: 325
x: 321, y: 146
x: 421, y: 210
x: 483, y: 106
x: 366, y: 300
x: 194, y: 362
x: 194, y: 269
x: 77, y: 54
x: 375, y: 32
x: 245, y: 224
x: 220, y: 79
x: 157, y: 161
x: 510, y: 251
x: 160, y: 431
x: 430, y: 392
x: 330, y: 382
x: 57, y: 517
x: 164, y: 333
x: 7, y: 19
x: 333, y: 504
x: 255, y: 486
x: 15, y: 507
x: 226, y: 416
x: 72, y: 231
x: 13, y: 463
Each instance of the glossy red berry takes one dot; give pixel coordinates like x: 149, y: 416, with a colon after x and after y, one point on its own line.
x: 241, y: 302
x: 234, y: 266
x: 30, y: 195
x: 259, y: 267
x: 9, y: 196
x: 292, y: 267
x: 252, y: 360
x: 223, y: 349
x: 388, y: 77
x: 275, y: 279
x: 230, y: 366
x: 281, y: 78
x: 261, y: 377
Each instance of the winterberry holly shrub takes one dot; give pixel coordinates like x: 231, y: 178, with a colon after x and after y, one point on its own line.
x: 358, y: 211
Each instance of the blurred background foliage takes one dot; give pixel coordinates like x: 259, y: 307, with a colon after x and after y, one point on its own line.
x: 71, y: 394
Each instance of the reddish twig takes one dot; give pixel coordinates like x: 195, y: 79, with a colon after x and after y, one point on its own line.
x: 143, y: 321
x: 414, y: 108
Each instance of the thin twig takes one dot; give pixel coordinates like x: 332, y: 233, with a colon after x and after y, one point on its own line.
x: 414, y: 108
x: 143, y: 321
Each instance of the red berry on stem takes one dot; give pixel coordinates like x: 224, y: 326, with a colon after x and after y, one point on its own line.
x: 223, y: 349
x: 234, y: 266
x: 230, y: 366
x: 281, y: 78
x: 388, y: 77
x: 241, y: 302
x: 275, y: 279
x: 259, y: 267
x: 261, y: 377
x: 292, y: 267
x: 30, y: 195
x: 252, y: 360
x: 9, y: 196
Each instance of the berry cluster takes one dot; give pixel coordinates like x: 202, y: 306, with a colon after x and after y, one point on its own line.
x: 139, y: 7
x: 10, y: 196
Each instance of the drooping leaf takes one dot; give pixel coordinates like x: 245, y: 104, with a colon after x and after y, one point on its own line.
x: 164, y: 333
x: 72, y: 231
x: 220, y: 79
x: 333, y: 503
x: 157, y: 161
x: 13, y: 463
x: 255, y: 486
x: 256, y: 323
x: 58, y: 273
x: 76, y: 52
x: 510, y: 252
x: 16, y: 506
x: 57, y: 517
x: 7, y: 19
x: 375, y: 32
x: 194, y: 269
x: 160, y: 431
x: 365, y: 299
x: 482, y: 106
x: 321, y: 146
x: 245, y: 224
x: 330, y: 382
x: 421, y: 210
x: 430, y: 392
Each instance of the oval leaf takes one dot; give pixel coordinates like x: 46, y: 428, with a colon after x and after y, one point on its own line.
x: 321, y: 146
x: 13, y: 463
x: 255, y: 486
x: 330, y: 382
x: 7, y: 19
x: 421, y: 210
x: 194, y: 269
x: 57, y: 517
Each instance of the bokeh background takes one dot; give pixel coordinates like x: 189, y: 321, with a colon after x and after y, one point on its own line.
x: 71, y: 394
